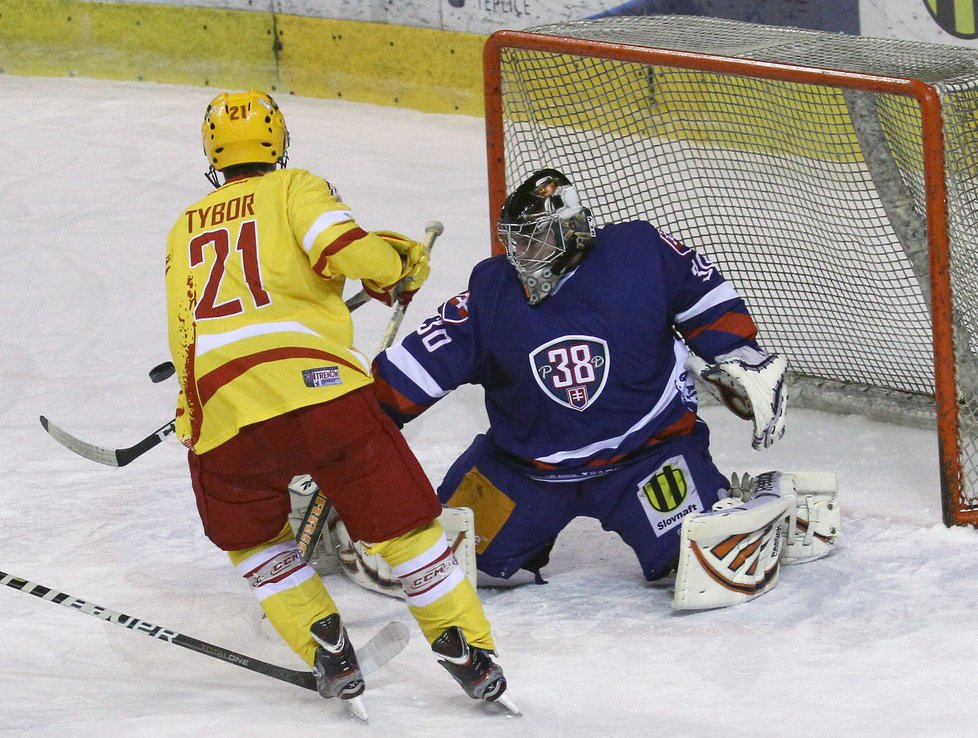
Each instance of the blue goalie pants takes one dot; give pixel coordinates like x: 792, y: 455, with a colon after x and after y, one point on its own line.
x: 518, y: 516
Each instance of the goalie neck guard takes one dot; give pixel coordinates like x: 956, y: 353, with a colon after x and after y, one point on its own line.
x: 545, y: 230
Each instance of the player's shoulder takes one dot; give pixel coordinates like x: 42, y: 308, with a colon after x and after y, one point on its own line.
x: 299, y: 179
x: 642, y: 235
x: 640, y: 232
x: 490, y: 269
x: 626, y: 228
x: 489, y: 273
x: 491, y: 279
x: 290, y: 177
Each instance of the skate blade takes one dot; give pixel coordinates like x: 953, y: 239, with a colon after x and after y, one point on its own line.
x: 356, y: 709
x: 505, y: 702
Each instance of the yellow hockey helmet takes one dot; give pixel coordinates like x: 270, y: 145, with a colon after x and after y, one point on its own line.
x: 244, y: 128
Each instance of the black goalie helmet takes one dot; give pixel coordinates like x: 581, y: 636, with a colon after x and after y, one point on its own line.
x: 546, y: 231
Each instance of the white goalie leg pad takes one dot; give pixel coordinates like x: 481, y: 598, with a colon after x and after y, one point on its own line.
x: 371, y: 572
x: 732, y: 554
x: 818, y: 518
x: 459, y: 526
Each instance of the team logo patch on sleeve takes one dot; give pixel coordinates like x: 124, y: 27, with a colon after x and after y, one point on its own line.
x: 669, y: 495
x: 324, y: 376
x: 455, y: 310
x: 678, y: 246
x: 572, y: 370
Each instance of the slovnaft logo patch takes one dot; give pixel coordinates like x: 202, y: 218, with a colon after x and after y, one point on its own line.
x: 668, y: 495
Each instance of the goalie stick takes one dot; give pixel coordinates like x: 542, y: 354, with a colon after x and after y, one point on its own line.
x: 373, y: 654
x: 122, y: 456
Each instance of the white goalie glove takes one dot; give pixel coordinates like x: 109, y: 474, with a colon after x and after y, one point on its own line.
x: 752, y: 385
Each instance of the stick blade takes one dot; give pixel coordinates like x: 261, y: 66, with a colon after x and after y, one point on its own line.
x: 99, y: 454
x: 389, y: 641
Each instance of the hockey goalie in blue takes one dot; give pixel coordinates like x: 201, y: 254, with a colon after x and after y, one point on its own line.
x: 580, y: 338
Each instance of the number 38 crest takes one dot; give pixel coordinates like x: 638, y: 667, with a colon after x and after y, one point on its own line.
x: 572, y: 370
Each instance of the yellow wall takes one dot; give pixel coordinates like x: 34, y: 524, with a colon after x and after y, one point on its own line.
x: 429, y: 70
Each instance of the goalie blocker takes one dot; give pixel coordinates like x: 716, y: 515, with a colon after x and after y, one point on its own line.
x: 734, y: 553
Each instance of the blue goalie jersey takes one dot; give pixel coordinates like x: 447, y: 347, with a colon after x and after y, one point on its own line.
x: 592, y: 376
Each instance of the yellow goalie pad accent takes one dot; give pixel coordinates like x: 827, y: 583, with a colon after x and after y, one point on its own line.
x: 489, y: 504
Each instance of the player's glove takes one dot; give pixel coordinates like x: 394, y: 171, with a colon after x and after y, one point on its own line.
x: 416, y: 268
x: 752, y: 384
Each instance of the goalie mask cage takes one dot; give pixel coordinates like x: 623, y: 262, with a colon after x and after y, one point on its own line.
x: 833, y: 179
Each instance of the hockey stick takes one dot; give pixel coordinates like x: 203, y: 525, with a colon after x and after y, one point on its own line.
x: 108, y: 456
x: 432, y: 231
x: 372, y: 655
x: 314, y: 519
x: 123, y: 456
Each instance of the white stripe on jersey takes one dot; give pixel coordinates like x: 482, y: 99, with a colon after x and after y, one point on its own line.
x: 362, y: 358
x: 718, y: 295
x: 323, y: 222
x: 667, y: 396
x: 209, y: 343
x: 402, y: 359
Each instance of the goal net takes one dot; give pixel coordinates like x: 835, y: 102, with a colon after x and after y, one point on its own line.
x: 833, y: 178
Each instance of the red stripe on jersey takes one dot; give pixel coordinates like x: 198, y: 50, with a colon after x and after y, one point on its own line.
x: 739, y: 324
x: 195, y: 407
x: 211, y: 382
x: 389, y: 397
x: 351, y: 236
x: 681, y: 427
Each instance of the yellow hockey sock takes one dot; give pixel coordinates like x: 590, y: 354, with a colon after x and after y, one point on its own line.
x: 437, y: 592
x: 289, y: 590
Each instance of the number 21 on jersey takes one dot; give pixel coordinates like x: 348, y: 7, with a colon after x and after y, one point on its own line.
x: 218, y: 242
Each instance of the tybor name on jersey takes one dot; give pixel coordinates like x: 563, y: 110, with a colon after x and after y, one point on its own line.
x: 217, y: 213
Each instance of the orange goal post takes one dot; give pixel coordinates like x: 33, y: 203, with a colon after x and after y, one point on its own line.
x: 833, y: 179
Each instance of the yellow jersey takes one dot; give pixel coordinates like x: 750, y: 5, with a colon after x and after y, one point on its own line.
x: 254, y: 280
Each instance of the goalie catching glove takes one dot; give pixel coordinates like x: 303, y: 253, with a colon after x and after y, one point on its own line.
x: 416, y: 268
x: 752, y: 385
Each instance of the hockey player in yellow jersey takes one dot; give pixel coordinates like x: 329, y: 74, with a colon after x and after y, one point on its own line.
x: 272, y: 387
